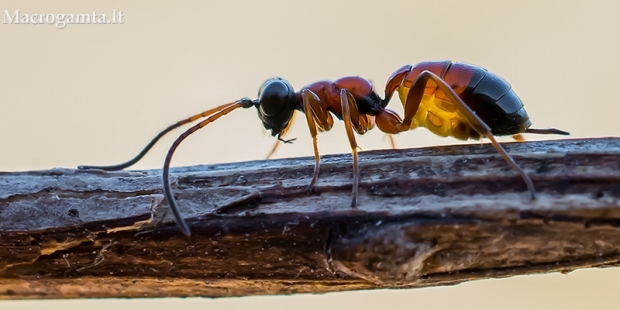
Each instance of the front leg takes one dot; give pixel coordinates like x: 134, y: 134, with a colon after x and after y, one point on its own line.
x: 317, y: 116
x: 281, y: 137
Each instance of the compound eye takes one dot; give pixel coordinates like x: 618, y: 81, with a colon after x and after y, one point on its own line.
x: 274, y: 96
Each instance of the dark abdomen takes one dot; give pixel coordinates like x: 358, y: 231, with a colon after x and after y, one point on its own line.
x: 493, y: 100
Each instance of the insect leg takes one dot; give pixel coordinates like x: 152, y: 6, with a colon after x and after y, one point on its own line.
x: 318, y: 119
x: 353, y: 121
x: 392, y: 141
x: 281, y: 137
x: 346, y: 101
x: 413, y: 102
x: 549, y: 131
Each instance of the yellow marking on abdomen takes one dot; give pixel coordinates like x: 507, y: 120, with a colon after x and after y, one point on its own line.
x: 439, y: 116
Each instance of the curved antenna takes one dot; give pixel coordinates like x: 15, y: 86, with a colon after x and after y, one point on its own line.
x: 148, y: 147
x: 221, y: 111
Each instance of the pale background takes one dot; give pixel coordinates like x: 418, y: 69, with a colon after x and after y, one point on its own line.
x: 95, y: 94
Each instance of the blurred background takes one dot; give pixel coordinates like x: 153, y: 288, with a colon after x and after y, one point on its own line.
x: 96, y: 94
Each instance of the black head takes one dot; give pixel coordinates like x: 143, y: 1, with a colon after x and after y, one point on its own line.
x: 275, y: 104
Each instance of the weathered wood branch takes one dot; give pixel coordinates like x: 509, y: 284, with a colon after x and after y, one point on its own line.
x: 431, y: 216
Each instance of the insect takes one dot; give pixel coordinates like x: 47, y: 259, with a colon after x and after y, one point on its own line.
x: 448, y: 98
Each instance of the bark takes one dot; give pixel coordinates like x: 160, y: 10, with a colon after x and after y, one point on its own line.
x: 427, y: 217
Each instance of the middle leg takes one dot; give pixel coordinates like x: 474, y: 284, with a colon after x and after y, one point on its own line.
x: 353, y: 121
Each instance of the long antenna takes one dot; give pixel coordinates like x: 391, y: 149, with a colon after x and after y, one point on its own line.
x: 148, y: 147
x: 222, y: 110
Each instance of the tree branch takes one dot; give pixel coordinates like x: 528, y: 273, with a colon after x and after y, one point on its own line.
x: 430, y: 216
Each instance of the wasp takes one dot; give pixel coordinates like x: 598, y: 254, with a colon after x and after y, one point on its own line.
x: 451, y: 99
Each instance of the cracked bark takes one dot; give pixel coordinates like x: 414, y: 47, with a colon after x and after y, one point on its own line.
x: 427, y: 217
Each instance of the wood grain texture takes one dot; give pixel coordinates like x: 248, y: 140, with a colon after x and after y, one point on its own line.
x: 429, y: 216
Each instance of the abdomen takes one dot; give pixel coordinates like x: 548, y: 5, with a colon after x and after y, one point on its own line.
x: 490, y: 96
